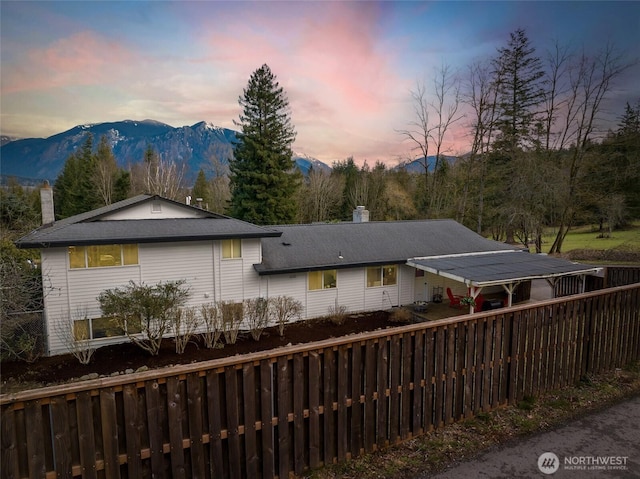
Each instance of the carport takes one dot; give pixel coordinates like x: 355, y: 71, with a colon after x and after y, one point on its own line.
x: 507, y: 268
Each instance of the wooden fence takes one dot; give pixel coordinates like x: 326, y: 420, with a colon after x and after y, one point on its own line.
x: 279, y: 413
x: 613, y: 276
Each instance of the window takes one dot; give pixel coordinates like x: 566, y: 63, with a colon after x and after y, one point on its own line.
x: 103, y: 255
x: 95, y: 328
x: 323, y: 279
x: 156, y: 206
x: 382, y: 275
x: 231, y: 248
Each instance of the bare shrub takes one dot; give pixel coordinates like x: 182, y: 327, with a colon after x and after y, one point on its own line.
x: 257, y: 314
x: 212, y: 319
x: 400, y: 316
x: 337, y: 314
x: 285, y: 309
x: 232, y: 315
x: 185, y: 323
x: 76, y: 335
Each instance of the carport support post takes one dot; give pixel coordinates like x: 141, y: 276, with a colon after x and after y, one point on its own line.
x: 510, y: 288
x: 473, y: 292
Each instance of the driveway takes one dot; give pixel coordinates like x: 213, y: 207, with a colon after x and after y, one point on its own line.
x: 601, y: 445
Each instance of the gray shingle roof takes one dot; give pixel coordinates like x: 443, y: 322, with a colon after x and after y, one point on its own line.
x: 88, y: 228
x: 318, y: 246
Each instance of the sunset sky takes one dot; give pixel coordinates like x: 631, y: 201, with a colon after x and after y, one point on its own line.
x: 348, y: 68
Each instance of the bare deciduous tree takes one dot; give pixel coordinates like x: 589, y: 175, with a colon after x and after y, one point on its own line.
x: 320, y: 197
x: 481, y: 96
x: 591, y: 80
x: 158, y: 176
x: 432, y: 122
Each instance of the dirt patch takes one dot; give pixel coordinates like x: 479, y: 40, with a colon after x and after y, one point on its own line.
x: 127, y: 357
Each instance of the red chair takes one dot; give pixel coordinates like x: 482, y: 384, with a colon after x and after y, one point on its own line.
x: 454, y: 299
x: 479, y: 303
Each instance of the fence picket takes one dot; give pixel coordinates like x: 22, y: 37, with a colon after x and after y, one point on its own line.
x: 252, y: 461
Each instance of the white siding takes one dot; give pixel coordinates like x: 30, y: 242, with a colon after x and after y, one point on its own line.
x: 293, y: 285
x: 320, y: 302
x: 56, y: 299
x: 351, y: 292
x: 145, y: 212
x: 351, y: 288
x: 192, y: 262
x: 236, y: 278
x: 406, y: 280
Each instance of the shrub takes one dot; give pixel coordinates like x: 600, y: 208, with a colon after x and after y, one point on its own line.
x: 337, y: 314
x: 22, y: 337
x: 145, y: 313
x: 285, y: 308
x: 75, y: 335
x: 257, y: 314
x: 212, y: 318
x: 232, y: 315
x: 185, y: 323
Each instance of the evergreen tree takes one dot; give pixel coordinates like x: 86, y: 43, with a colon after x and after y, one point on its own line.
x: 519, y: 80
x: 89, y: 180
x: 202, y: 190
x: 519, y: 76
x: 263, y: 178
x: 66, y: 199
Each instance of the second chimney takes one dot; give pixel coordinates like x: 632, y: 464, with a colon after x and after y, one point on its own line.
x: 360, y: 215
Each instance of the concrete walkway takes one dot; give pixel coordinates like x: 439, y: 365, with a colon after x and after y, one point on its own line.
x: 602, y: 445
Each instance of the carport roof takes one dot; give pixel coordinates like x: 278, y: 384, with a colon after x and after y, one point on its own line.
x: 499, y: 267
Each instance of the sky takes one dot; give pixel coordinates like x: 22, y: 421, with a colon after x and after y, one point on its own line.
x: 348, y: 68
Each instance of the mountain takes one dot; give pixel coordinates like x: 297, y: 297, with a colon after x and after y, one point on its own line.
x: 36, y: 159
x: 417, y: 166
x: 4, y: 139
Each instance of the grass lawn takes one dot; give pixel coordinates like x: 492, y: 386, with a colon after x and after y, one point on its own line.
x: 586, y: 238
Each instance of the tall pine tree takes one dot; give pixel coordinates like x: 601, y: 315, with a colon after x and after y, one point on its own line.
x: 263, y: 178
x: 519, y: 77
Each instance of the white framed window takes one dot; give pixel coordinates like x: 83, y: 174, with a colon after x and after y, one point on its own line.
x: 386, y: 275
x: 231, y: 248
x: 99, y: 256
x: 324, y: 279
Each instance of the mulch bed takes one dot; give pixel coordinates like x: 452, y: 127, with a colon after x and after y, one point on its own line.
x: 17, y: 375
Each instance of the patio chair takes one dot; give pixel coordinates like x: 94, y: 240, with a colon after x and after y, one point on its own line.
x: 454, y: 299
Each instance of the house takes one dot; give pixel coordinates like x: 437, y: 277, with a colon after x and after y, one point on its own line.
x: 358, y: 265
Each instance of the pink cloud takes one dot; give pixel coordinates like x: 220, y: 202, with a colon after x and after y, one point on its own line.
x: 340, y: 77
x: 81, y: 59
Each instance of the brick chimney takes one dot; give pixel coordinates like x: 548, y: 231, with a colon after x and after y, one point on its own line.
x: 360, y: 215
x: 46, y: 204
